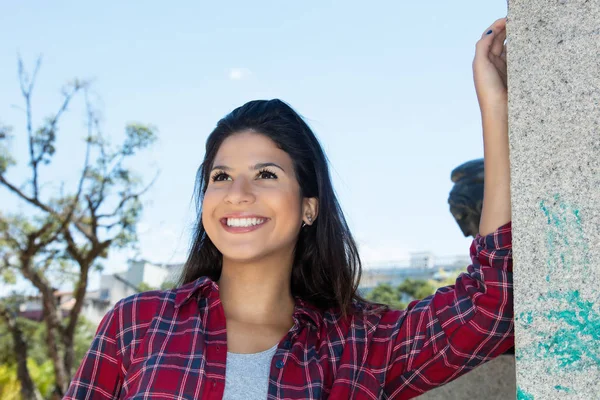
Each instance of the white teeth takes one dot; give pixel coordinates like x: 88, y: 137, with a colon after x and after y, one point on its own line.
x: 244, y: 222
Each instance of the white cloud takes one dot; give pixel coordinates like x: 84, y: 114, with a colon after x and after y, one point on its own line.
x: 237, y: 74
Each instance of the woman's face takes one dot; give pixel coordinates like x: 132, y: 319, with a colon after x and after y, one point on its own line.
x: 252, y: 207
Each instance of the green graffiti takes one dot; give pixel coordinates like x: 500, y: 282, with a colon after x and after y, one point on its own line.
x: 564, y: 237
x: 523, y: 395
x: 574, y: 345
x: 526, y: 318
x: 562, y: 388
x: 564, y: 333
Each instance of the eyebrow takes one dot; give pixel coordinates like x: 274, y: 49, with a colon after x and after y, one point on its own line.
x: 252, y: 167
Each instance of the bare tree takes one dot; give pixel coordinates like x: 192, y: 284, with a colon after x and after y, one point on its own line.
x: 68, y: 231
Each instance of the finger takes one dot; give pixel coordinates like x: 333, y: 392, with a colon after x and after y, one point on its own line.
x: 498, y: 25
x: 487, y: 38
x: 499, y: 64
x: 482, y: 49
x: 498, y: 43
x: 503, y: 54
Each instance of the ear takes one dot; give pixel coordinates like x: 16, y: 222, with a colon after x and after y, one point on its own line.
x: 310, y: 210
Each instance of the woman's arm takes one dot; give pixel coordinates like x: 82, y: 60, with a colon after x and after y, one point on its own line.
x: 443, y: 336
x: 489, y: 73
x: 439, y: 338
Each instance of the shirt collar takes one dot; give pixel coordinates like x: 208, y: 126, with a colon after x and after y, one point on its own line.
x: 205, y: 286
x: 187, y: 291
x: 307, y: 311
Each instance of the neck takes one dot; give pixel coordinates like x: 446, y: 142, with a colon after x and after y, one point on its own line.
x: 257, y: 292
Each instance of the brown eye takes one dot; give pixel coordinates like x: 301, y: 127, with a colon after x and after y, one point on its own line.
x: 264, y: 174
x: 220, y: 177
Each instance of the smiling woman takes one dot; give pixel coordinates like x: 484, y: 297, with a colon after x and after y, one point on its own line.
x: 262, y: 161
x: 268, y: 306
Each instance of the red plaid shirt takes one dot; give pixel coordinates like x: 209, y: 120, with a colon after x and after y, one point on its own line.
x: 172, y: 344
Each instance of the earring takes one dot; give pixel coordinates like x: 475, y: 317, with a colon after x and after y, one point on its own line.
x: 309, y: 218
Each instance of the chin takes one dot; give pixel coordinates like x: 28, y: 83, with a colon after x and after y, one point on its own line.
x: 243, y: 254
x: 246, y: 254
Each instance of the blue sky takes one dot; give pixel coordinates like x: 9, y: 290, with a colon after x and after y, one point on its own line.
x: 386, y: 86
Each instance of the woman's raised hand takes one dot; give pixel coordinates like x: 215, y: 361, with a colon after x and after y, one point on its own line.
x: 489, y: 67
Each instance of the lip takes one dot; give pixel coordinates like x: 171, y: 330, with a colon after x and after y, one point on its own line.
x: 242, y: 229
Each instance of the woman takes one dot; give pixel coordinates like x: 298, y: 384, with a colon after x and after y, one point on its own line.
x: 268, y: 306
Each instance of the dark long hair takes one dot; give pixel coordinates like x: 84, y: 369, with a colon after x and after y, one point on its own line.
x: 327, y: 266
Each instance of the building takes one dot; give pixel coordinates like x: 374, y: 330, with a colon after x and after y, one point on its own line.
x: 93, y: 308
x: 140, y: 275
x: 422, y: 265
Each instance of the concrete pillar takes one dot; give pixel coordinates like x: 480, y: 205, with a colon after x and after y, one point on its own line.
x: 554, y: 113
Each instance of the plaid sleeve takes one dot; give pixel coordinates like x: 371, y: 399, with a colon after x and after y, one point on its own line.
x: 99, y: 374
x: 439, y: 338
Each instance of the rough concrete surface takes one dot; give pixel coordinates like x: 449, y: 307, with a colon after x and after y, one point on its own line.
x: 494, y: 380
x: 554, y: 114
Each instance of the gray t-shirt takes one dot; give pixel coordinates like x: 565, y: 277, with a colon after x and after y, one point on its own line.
x: 247, y: 375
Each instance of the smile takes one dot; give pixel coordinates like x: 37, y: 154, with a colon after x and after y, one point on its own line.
x: 243, y: 224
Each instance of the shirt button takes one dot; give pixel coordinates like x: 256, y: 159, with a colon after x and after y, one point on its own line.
x: 279, y: 364
x: 218, y: 348
x: 214, y: 383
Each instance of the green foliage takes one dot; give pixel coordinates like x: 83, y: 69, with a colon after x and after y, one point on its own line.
x: 83, y: 338
x: 9, y: 384
x: 416, y: 288
x: 36, y: 337
x: 399, y: 296
x: 166, y: 285
x: 144, y: 287
x: 41, y: 374
x: 43, y: 141
x: 6, y: 159
x: 8, y: 276
x: 138, y: 137
x: 385, y: 294
x: 129, y: 217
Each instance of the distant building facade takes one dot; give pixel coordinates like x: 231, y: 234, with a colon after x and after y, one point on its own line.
x: 422, y: 265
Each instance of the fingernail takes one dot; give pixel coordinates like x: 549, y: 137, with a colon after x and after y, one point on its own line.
x: 488, y: 32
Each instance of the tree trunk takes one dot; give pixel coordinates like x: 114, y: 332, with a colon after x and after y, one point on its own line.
x: 52, y: 318
x: 54, y: 350
x: 69, y: 355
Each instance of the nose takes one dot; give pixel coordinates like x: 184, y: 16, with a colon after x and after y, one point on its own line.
x: 240, y: 192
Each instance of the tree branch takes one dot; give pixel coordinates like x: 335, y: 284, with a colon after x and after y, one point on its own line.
x: 36, y: 202
x: 125, y: 199
x: 31, y: 200
x: 26, y: 89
